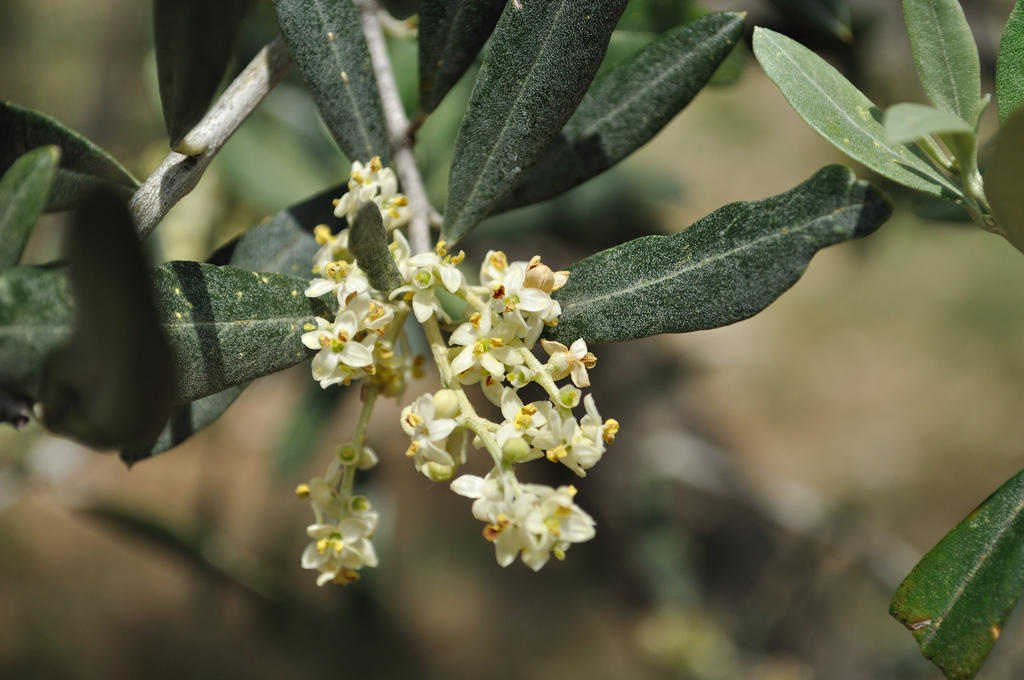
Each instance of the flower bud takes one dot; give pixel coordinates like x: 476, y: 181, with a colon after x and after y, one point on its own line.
x: 569, y: 396
x: 437, y: 472
x: 446, y: 404
x: 515, y: 450
x: 367, y: 458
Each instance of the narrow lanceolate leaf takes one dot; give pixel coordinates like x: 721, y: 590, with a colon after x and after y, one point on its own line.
x: 229, y: 325
x: 111, y: 383
x: 541, y: 61
x: 194, y: 41
x: 831, y: 17
x: 23, y: 192
x: 842, y: 114
x: 1010, y: 64
x: 724, y: 268
x: 83, y: 165
x: 368, y: 241
x: 1002, y: 180
x: 326, y: 39
x: 184, y: 422
x: 282, y: 244
x: 632, y: 103
x: 945, y: 55
x: 906, y: 123
x: 958, y: 597
x: 451, y: 34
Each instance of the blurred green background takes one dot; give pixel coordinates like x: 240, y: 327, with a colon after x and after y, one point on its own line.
x: 772, y: 483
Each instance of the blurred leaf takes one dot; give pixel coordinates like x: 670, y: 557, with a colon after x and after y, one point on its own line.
x: 1002, y: 179
x: 656, y: 16
x: 368, y: 241
x: 112, y: 382
x: 229, y: 325
x: 282, y: 244
x: 23, y: 191
x: 185, y: 421
x: 401, y: 9
x: 958, y: 597
x: 326, y: 40
x: 906, y: 123
x: 209, y: 554
x: 450, y: 36
x: 540, y: 63
x: 631, y: 104
x: 945, y: 56
x: 1010, y: 64
x: 724, y: 268
x: 194, y: 41
x: 298, y: 439
x: 840, y: 113
x: 83, y: 165
x: 831, y: 17
x: 35, y: 318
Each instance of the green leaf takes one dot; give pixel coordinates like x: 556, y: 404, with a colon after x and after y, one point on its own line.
x: 194, y: 41
x: 111, y: 382
x: 83, y: 165
x: 542, y: 58
x: 451, y: 34
x: 185, y: 421
x: 368, y: 241
x: 23, y: 192
x: 945, y: 55
x: 958, y: 597
x: 1010, y: 64
x: 724, y: 268
x: 35, y: 318
x: 1002, y: 179
x: 840, y: 113
x: 326, y: 40
x: 831, y: 17
x: 229, y: 325
x: 282, y: 244
x: 628, y: 106
x: 909, y: 122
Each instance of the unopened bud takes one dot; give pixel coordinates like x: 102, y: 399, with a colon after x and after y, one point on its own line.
x: 367, y: 458
x: 515, y: 450
x: 446, y: 404
x: 437, y: 472
x: 569, y: 396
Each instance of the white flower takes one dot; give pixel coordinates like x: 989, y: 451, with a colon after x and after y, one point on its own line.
x: 421, y: 273
x: 491, y: 348
x: 333, y: 247
x: 563, y: 441
x: 529, y: 519
x: 342, y: 546
x: 521, y: 420
x: 428, y: 434
x: 373, y: 182
x: 528, y: 309
x: 341, y: 278
x: 552, y: 523
x: 342, y: 351
x: 573, y: 361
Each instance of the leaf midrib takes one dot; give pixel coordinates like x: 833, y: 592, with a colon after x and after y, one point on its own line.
x: 353, y: 104
x: 912, y: 160
x: 941, y: 37
x: 519, y: 96
x: 962, y: 583
x: 643, y: 284
x: 665, y: 75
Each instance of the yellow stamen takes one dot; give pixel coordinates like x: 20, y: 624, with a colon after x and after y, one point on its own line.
x: 321, y: 233
x: 375, y: 165
x: 302, y: 491
x: 610, y: 429
x: 556, y: 454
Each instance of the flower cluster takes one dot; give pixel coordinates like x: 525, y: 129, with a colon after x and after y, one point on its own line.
x: 491, y: 344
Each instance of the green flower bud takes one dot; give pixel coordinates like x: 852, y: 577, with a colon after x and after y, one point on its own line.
x: 446, y: 404
x: 437, y: 472
x: 515, y: 450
